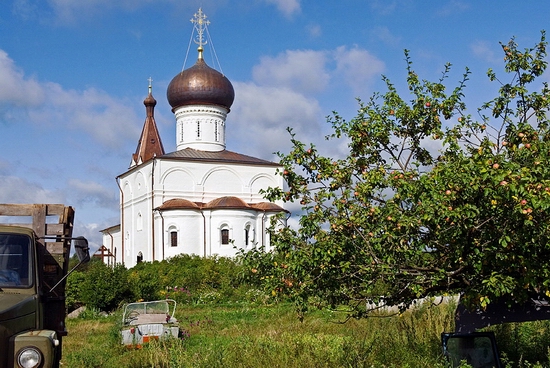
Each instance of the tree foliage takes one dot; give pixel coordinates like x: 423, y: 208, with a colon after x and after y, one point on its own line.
x: 430, y: 199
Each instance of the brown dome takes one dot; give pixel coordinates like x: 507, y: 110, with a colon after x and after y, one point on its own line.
x: 227, y: 202
x: 178, y: 204
x: 200, y: 85
x: 268, y: 207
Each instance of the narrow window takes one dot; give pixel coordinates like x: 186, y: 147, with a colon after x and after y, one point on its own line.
x: 174, y: 238
x: 139, y: 221
x: 139, y: 257
x: 225, y: 236
x: 246, y: 235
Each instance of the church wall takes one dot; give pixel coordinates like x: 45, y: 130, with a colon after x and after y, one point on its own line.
x: 136, y: 216
x: 197, y: 182
x: 201, y: 127
x: 188, y: 225
x: 204, y: 182
x: 111, y: 239
x: 235, y: 221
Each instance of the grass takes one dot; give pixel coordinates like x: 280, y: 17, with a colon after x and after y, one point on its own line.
x: 266, y: 336
x: 240, y: 335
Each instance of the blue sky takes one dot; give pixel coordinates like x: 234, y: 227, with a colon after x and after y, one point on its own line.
x: 73, y: 77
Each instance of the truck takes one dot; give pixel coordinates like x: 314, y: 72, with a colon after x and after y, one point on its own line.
x: 479, y: 348
x: 34, y: 265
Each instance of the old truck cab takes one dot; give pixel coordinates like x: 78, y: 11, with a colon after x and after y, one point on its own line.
x: 21, y: 311
x: 33, y: 272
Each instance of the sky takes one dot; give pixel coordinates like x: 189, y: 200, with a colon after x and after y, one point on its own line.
x: 74, y: 74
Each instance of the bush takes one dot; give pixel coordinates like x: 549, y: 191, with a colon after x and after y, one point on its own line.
x: 105, y: 287
x: 188, y: 279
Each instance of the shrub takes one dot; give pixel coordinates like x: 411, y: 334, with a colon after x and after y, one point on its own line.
x: 105, y: 287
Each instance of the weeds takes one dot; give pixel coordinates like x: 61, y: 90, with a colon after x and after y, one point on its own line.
x: 261, y: 336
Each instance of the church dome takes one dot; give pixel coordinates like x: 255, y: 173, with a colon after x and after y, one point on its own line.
x: 228, y: 202
x: 200, y: 85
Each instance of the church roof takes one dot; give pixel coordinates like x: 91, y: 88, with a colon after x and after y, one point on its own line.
x: 149, y: 144
x: 178, y: 203
x: 267, y: 206
x: 227, y: 202
x: 200, y: 85
x: 225, y: 156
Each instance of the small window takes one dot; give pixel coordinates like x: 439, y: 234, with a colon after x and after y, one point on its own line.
x: 139, y: 222
x: 246, y: 231
x: 139, y: 257
x: 174, y: 238
x: 225, y: 236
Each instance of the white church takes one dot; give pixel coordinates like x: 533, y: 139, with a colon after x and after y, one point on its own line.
x: 201, y: 199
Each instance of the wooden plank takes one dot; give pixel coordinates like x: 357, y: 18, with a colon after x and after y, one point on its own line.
x: 56, y: 247
x: 55, y: 229
x: 56, y: 209
x: 16, y: 209
x: 21, y: 225
x: 39, y: 221
x: 11, y: 209
x: 51, y: 229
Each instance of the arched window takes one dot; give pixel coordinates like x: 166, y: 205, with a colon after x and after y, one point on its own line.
x: 173, y: 238
x: 225, y: 236
x: 139, y: 257
x: 248, y: 235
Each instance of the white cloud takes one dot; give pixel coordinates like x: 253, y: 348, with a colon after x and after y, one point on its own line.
x: 385, y: 35
x: 24, y: 9
x: 300, y: 70
x: 484, y: 51
x: 90, y: 191
x: 105, y: 119
x: 15, y: 88
x: 357, y: 67
x: 260, y: 116
x: 287, y: 7
x: 384, y: 6
x: 453, y: 7
x: 18, y: 190
x: 314, y: 30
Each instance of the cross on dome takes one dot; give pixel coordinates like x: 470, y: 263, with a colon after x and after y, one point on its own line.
x: 200, y: 24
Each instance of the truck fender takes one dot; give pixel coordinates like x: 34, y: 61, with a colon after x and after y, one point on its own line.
x: 40, y: 343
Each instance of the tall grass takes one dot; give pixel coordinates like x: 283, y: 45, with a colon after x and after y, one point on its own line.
x: 268, y: 336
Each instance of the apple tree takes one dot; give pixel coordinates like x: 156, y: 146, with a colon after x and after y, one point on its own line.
x: 429, y: 200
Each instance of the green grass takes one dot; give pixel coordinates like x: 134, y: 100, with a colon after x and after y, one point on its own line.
x: 272, y: 336
x: 266, y: 336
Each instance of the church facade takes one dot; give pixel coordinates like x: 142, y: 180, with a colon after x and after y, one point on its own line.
x: 201, y: 199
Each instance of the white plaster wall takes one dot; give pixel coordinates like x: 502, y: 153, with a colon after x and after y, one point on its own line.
x: 112, y: 241
x: 203, y: 182
x: 197, y: 182
x: 200, y: 127
x: 235, y: 221
x: 189, y: 225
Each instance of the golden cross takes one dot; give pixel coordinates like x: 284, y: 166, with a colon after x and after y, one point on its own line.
x: 200, y: 22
